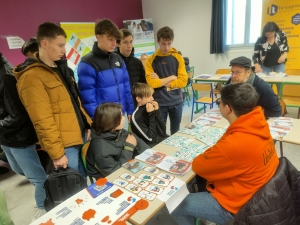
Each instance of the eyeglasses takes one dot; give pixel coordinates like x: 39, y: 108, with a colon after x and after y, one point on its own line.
x: 237, y: 72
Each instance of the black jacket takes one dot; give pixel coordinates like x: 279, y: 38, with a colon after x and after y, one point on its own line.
x: 109, y: 151
x: 277, y: 202
x: 150, y: 127
x: 16, y: 129
x: 134, y: 67
x: 267, y: 99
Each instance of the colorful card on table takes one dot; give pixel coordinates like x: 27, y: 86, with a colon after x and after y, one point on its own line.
x: 146, y: 177
x: 154, y: 189
x: 120, y: 182
x: 127, y: 176
x: 161, y: 182
x: 211, y: 136
x: 133, y: 188
x: 151, y: 169
x: 165, y: 176
x: 190, y: 152
x: 177, y: 141
x: 174, y: 165
x: 193, y: 129
x: 151, y: 157
x: 141, y: 182
x: 134, y: 166
x: 147, y: 195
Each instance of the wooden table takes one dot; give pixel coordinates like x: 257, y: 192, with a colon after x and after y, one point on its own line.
x: 143, y: 216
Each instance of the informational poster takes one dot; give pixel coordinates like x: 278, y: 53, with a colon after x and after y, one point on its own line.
x: 286, y: 14
x: 143, y: 36
x: 80, y: 40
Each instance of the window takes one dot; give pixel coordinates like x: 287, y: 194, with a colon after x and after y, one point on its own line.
x: 243, y: 22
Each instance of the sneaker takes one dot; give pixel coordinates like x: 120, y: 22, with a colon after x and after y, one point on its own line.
x: 38, y: 214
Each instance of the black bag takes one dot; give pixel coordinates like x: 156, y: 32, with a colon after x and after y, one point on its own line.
x: 61, y: 185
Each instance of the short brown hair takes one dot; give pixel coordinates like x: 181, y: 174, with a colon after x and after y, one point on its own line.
x: 165, y: 33
x: 30, y: 45
x: 107, y: 27
x: 49, y: 30
x: 141, y: 90
x: 107, y: 117
x: 125, y: 33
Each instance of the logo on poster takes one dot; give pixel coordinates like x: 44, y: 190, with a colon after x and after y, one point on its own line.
x: 272, y: 10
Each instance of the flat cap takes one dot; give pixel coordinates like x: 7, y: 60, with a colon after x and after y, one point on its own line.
x: 241, y: 61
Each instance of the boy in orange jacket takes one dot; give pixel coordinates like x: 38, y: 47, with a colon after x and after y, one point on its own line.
x: 238, y: 165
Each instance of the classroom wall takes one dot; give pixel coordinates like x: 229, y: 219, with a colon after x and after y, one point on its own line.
x: 21, y: 18
x: 191, y: 23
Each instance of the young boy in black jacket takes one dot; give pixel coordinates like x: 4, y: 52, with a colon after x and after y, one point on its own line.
x: 146, y: 120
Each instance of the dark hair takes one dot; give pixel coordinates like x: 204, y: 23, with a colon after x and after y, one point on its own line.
x: 165, y: 33
x: 107, y: 27
x: 30, y: 45
x: 241, y: 97
x: 125, y: 33
x: 107, y: 117
x: 270, y: 27
x: 49, y: 30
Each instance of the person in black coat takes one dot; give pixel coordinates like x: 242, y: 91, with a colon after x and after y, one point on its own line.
x: 111, y: 146
x: 241, y: 72
x: 18, y: 136
x: 134, y: 65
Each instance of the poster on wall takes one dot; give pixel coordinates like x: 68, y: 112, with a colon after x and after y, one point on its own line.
x: 80, y: 40
x: 286, y: 14
x: 143, y: 36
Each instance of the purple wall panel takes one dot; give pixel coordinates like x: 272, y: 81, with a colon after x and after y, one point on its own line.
x: 21, y: 18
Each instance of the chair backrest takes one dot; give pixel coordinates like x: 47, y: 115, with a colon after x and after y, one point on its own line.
x: 291, y: 89
x: 84, y: 149
x: 292, y: 72
x: 191, y: 72
x: 202, y: 86
x: 283, y: 107
x: 223, y: 71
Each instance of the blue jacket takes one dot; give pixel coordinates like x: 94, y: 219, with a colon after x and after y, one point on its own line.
x: 103, y: 78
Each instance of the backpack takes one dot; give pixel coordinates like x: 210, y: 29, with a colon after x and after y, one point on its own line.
x: 60, y: 185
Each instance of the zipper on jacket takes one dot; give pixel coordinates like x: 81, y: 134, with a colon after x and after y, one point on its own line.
x: 115, y: 79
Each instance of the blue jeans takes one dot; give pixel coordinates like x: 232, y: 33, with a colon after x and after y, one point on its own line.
x: 175, y: 114
x: 200, y: 205
x: 26, y: 162
x: 74, y: 159
x: 278, y: 69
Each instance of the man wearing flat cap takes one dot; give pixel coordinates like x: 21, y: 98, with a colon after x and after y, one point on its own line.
x: 241, y: 72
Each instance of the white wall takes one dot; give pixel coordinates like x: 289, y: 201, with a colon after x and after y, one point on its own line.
x: 190, y: 20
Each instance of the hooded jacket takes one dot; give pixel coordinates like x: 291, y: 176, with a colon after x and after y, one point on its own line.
x: 134, y: 67
x: 165, y: 65
x: 240, y: 163
x: 103, y: 78
x: 150, y: 127
x: 49, y: 105
x: 108, y: 151
x: 16, y: 129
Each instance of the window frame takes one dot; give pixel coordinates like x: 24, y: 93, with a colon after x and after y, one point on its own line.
x: 246, y: 43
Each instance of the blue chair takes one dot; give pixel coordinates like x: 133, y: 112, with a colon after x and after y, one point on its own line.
x: 209, y: 100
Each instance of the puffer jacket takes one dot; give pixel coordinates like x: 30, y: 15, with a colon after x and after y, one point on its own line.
x: 277, y: 202
x: 49, y: 105
x: 134, y: 67
x: 108, y: 151
x: 103, y: 78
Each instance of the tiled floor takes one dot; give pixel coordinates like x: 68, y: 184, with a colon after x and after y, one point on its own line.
x: 20, y: 193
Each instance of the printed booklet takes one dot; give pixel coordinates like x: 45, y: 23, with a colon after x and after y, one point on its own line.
x: 175, y: 165
x: 151, y: 157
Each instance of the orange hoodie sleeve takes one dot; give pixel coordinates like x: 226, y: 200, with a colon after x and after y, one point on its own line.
x: 182, y: 76
x: 154, y: 83
x: 213, y: 165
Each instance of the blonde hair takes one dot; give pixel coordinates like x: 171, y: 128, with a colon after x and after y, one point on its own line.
x: 141, y: 90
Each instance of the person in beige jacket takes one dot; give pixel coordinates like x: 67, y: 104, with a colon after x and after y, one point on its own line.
x: 47, y: 89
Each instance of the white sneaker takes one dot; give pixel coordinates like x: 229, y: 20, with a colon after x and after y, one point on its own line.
x: 206, y: 222
x: 38, y: 214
